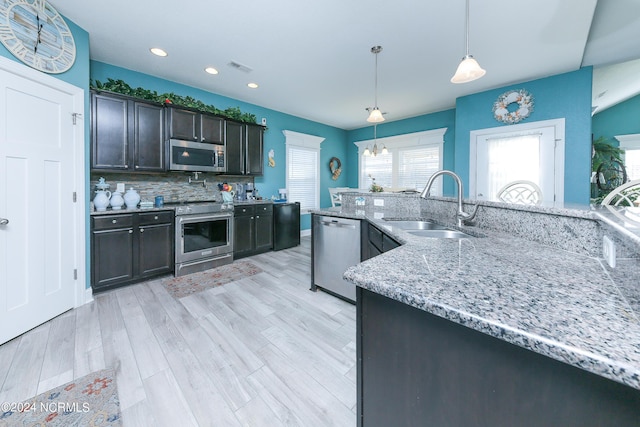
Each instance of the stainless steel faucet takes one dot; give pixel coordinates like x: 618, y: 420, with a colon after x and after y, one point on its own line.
x: 461, y: 215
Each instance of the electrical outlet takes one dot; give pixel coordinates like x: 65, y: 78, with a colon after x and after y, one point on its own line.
x: 609, y: 251
x: 378, y: 202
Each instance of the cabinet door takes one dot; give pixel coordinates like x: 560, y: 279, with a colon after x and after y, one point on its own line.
x: 211, y: 129
x: 109, y: 132
x: 155, y: 250
x: 242, y: 235
x: 235, y: 148
x: 254, y: 155
x: 112, y: 253
x: 148, y: 137
x: 264, y: 232
x: 183, y: 124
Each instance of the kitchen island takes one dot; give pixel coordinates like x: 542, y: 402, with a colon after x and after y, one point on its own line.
x: 494, y: 330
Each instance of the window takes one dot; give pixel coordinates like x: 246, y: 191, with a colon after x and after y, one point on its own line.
x: 303, y: 169
x: 411, y: 160
x: 531, y: 152
x: 631, y: 146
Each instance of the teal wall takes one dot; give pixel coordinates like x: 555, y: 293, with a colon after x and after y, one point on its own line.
x: 442, y: 119
x: 621, y: 119
x: 273, y: 178
x: 565, y: 95
x: 562, y: 96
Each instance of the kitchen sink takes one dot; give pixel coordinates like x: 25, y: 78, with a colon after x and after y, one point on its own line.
x: 442, y: 233
x: 416, y: 225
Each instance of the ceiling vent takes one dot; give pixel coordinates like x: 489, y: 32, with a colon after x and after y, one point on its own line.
x: 241, y: 67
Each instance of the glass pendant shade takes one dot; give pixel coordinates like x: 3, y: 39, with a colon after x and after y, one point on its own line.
x: 375, y: 116
x: 468, y: 71
x: 366, y: 153
x: 384, y: 150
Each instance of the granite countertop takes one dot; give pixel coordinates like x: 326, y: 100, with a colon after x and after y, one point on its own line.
x: 624, y: 219
x: 563, y: 305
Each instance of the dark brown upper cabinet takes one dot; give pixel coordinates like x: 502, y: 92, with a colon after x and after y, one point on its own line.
x: 127, y: 134
x: 244, y: 144
x: 195, y: 126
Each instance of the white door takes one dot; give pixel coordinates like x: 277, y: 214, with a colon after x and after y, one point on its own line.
x: 532, y: 152
x: 38, y: 242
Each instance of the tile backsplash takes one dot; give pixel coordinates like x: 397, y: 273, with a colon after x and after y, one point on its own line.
x: 174, y: 186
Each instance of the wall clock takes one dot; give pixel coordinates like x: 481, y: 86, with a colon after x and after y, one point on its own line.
x: 35, y: 33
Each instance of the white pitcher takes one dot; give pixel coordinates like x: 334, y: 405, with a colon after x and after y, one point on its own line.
x: 116, y: 201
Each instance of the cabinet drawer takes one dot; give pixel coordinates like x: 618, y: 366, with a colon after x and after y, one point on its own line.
x: 150, y: 218
x: 264, y: 209
x: 244, y: 210
x: 112, y: 221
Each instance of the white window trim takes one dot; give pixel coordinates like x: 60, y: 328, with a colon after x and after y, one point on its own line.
x: 629, y: 142
x: 311, y: 142
x: 521, y: 129
x: 393, y: 143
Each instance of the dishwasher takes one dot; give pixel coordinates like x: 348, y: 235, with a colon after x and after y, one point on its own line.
x: 336, y: 247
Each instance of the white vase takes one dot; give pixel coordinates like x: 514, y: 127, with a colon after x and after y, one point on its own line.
x: 116, y: 201
x: 101, y: 200
x: 131, y: 198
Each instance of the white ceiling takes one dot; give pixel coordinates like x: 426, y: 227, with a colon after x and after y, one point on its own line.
x: 312, y: 59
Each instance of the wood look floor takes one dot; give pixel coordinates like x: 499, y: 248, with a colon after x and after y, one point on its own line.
x: 262, y: 351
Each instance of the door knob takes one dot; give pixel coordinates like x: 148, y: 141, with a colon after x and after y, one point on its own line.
x: 4, y: 221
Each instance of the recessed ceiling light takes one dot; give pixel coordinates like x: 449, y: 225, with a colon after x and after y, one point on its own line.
x: 211, y: 70
x: 252, y: 85
x: 158, y: 51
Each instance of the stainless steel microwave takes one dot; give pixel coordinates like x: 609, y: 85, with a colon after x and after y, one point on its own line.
x: 196, y: 156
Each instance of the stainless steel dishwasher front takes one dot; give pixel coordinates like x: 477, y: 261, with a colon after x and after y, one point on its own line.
x: 336, y: 247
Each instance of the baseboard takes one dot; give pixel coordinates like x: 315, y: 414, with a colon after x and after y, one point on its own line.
x: 304, y: 233
x: 88, y: 295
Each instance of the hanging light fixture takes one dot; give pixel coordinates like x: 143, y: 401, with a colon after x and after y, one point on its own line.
x: 374, y: 151
x: 375, y: 116
x: 469, y: 69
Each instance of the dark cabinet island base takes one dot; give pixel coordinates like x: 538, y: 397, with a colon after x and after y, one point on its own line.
x: 417, y: 369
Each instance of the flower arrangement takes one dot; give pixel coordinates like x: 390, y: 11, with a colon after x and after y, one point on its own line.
x: 375, y: 188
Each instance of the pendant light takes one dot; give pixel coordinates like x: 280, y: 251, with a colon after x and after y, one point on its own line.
x: 469, y: 69
x: 374, y: 151
x: 375, y: 116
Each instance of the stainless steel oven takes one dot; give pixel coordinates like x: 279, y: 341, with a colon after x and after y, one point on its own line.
x: 204, y: 237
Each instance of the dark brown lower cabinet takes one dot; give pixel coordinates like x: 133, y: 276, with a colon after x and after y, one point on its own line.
x: 130, y: 247
x: 252, y: 229
x: 418, y: 369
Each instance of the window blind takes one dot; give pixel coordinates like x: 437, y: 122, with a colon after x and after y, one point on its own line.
x: 632, y: 163
x: 302, y: 176
x: 415, y: 167
x: 512, y: 159
x: 380, y: 168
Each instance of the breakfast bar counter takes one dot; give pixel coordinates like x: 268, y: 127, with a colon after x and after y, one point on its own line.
x: 565, y: 306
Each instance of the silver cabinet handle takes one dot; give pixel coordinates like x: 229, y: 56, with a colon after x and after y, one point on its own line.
x: 155, y: 217
x: 130, y: 231
x: 257, y: 216
x: 4, y: 221
x: 113, y: 221
x: 142, y: 230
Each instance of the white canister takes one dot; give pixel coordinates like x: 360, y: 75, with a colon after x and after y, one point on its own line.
x: 116, y: 201
x: 131, y: 198
x: 101, y: 200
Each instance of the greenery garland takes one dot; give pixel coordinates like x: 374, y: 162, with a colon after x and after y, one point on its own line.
x: 121, y: 87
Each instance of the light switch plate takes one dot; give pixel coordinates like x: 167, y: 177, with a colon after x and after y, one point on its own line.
x: 378, y: 202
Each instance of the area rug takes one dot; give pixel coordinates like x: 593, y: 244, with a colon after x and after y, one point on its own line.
x: 180, y: 287
x: 88, y: 401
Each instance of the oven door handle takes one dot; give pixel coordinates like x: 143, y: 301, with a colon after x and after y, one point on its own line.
x: 191, y: 218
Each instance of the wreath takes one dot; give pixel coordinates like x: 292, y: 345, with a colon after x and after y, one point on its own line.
x: 501, y: 107
x: 335, y: 166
